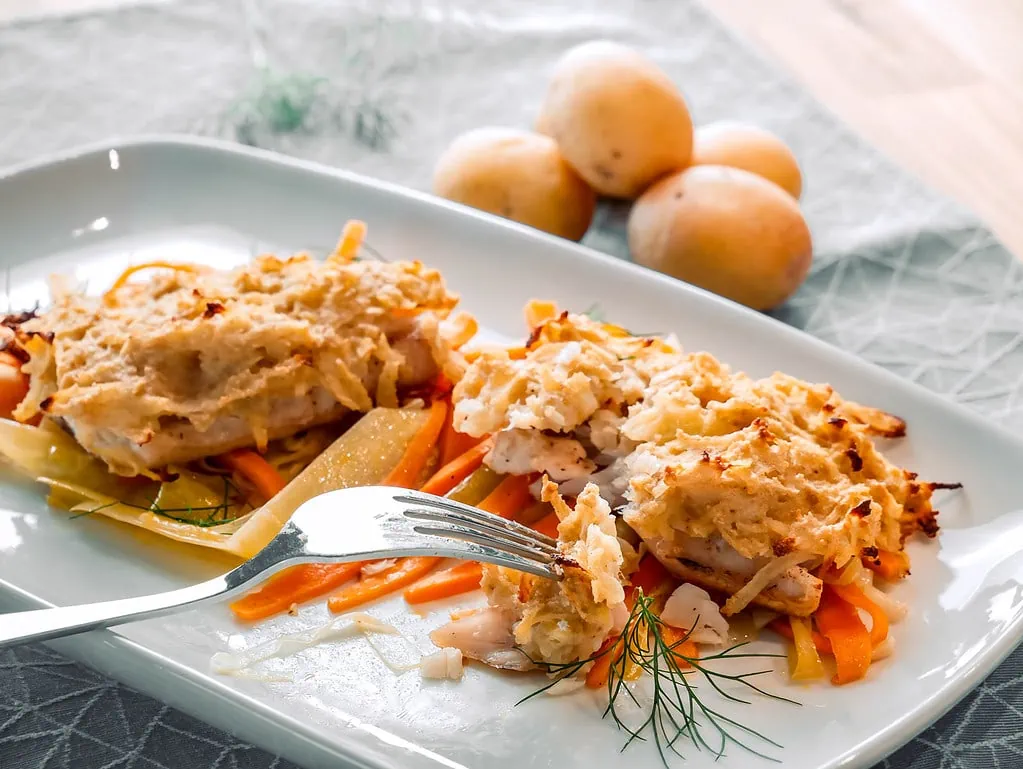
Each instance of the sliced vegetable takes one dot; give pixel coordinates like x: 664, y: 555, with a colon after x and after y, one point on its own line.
x: 126, y: 275
x: 510, y: 496
x: 609, y: 653
x: 879, y: 619
x: 409, y: 470
x: 456, y: 470
x: 260, y: 473
x: 780, y: 625
x: 352, y: 236
x: 476, y: 487
x: 13, y: 384
x: 850, y: 641
x: 683, y: 648
x: 402, y: 574
x: 463, y: 578
x: 454, y: 444
x: 547, y: 525
x: 291, y: 586
x: 360, y: 457
x: 650, y: 575
x: 888, y: 565
x: 806, y: 661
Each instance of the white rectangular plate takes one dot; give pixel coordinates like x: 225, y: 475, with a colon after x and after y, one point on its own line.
x: 92, y: 213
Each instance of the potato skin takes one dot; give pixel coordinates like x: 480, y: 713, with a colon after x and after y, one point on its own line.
x: 519, y: 175
x: 725, y: 230
x: 751, y: 148
x: 618, y: 118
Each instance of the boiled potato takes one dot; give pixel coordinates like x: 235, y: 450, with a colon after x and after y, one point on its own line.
x: 518, y: 175
x: 618, y: 119
x: 750, y: 148
x: 725, y: 230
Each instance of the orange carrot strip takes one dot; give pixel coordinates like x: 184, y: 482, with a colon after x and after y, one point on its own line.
x: 547, y: 525
x: 598, y: 674
x: 352, y: 236
x: 686, y: 648
x: 781, y: 626
x: 456, y: 470
x: 888, y: 565
x: 650, y: 575
x: 403, y: 573
x: 417, y: 454
x: 251, y: 464
x: 850, y: 641
x: 459, y: 579
x: 13, y: 384
x: 294, y: 585
x: 510, y: 496
x: 852, y: 594
x: 124, y: 276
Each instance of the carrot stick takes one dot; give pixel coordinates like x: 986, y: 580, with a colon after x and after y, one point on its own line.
x: 352, y: 236
x: 650, y: 575
x: 598, y: 674
x: 888, y: 565
x: 852, y: 594
x: 417, y: 454
x: 850, y: 641
x: 456, y: 470
x: 781, y: 626
x: 510, y: 496
x: 13, y: 384
x: 684, y: 648
x: 252, y: 466
x: 454, y: 581
x: 403, y: 573
x: 294, y: 585
x: 547, y: 525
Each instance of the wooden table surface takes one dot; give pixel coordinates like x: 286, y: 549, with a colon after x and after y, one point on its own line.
x: 933, y: 83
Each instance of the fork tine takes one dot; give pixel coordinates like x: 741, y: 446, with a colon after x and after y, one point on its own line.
x: 418, y: 498
x: 484, y: 527
x: 481, y: 548
x: 455, y: 531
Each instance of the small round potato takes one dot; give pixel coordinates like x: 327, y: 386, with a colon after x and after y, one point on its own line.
x: 518, y: 175
x: 725, y: 230
x: 617, y: 117
x: 750, y: 148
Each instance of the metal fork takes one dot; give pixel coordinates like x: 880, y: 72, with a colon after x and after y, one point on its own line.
x: 354, y: 524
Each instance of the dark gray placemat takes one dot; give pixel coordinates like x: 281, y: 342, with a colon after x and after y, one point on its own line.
x: 902, y: 276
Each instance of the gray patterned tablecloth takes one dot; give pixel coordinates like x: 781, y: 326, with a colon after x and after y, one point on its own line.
x: 902, y: 276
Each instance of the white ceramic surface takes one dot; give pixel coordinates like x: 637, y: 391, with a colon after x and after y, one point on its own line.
x: 96, y: 211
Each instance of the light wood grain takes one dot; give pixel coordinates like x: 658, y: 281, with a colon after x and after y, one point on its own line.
x: 935, y: 84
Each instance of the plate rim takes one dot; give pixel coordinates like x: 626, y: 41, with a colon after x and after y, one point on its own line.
x: 106, y: 650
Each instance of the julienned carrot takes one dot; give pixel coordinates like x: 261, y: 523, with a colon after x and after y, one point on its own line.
x: 13, y: 384
x: 417, y: 454
x: 294, y: 585
x: 459, y: 579
x: 547, y: 525
x: 457, y: 470
x: 781, y: 626
x: 685, y: 648
x: 352, y: 236
x: 850, y: 641
x: 403, y: 573
x: 510, y: 496
x: 649, y: 575
x: 852, y: 594
x: 453, y: 443
x: 888, y: 565
x: 257, y: 470
x: 610, y: 651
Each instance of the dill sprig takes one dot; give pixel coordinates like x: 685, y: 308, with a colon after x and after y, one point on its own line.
x: 676, y: 709
x: 214, y: 515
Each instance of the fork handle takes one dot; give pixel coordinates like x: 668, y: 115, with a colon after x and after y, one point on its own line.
x: 44, y: 624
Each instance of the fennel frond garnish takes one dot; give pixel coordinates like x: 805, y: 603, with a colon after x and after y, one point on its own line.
x: 676, y: 709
